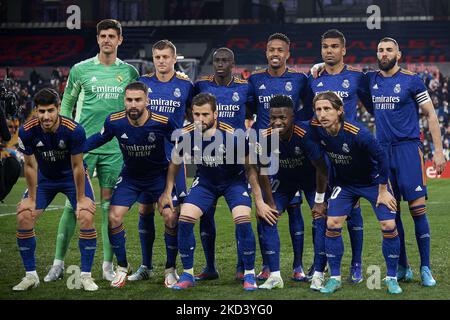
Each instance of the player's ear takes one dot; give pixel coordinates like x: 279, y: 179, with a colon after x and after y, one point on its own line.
x: 344, y: 51
x: 120, y: 40
x: 399, y: 55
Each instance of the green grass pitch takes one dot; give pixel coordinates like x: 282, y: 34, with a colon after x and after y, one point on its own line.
x: 11, y: 269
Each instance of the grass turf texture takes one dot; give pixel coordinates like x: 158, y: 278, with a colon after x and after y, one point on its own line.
x: 225, y: 287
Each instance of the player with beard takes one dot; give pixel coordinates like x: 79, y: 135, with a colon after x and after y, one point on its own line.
x: 234, y: 102
x: 142, y: 136
x: 219, y: 155
x: 397, y: 96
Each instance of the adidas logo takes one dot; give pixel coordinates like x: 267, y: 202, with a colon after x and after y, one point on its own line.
x: 124, y: 136
x: 182, y: 194
x: 320, y: 84
x: 375, y: 86
x: 419, y: 188
x: 262, y: 87
x: 393, y: 256
x: 40, y: 144
x: 93, y: 79
x: 426, y: 235
x: 150, y: 90
x: 245, y: 193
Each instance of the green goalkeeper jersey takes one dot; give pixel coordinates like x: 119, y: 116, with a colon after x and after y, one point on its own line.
x: 97, y: 91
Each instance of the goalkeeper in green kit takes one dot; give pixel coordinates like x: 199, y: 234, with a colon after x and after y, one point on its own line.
x: 96, y: 86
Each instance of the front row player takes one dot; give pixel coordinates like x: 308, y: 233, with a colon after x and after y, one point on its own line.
x: 142, y: 135
x: 360, y: 170
x: 300, y: 167
x: 218, y: 174
x: 53, y: 150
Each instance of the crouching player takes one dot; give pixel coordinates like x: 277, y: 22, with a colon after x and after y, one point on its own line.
x: 295, y: 160
x: 219, y: 173
x: 360, y: 170
x: 141, y: 135
x: 53, y: 149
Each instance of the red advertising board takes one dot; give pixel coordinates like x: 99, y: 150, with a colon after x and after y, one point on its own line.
x: 431, y: 173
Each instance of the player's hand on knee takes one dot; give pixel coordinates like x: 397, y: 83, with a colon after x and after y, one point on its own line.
x: 264, y: 211
x: 86, y: 204
x: 165, y: 200
x: 439, y: 162
x: 319, y: 209
x: 386, y: 198
x: 26, y: 204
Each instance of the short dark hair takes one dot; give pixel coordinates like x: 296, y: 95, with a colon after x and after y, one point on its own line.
x: 46, y: 97
x: 334, y: 33
x: 389, y: 39
x: 333, y: 98
x: 109, y: 24
x: 225, y: 49
x: 281, y: 101
x: 164, y: 44
x: 137, y: 85
x: 204, y: 98
x: 279, y: 36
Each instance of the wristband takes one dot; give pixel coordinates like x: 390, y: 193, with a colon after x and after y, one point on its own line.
x: 320, y: 197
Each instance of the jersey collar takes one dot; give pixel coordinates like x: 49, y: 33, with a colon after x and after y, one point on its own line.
x: 97, y: 60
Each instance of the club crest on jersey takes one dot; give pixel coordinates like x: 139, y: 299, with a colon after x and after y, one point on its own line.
x: 235, y: 97
x: 345, y: 148
x: 151, y: 137
x: 397, y: 88
x: 345, y: 84
x: 119, y: 78
x: 297, y: 151
x: 61, y: 144
x: 177, y: 92
x: 288, y: 86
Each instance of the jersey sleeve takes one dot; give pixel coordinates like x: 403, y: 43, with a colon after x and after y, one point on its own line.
x: 78, y: 140
x: 134, y: 73
x: 71, y: 92
x: 419, y: 91
x: 251, y: 99
x: 100, y: 138
x: 24, y: 142
x: 307, y: 96
x: 368, y: 142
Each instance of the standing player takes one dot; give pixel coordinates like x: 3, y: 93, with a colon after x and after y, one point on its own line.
x: 297, y: 156
x: 96, y: 87
x: 360, y: 169
x: 350, y: 84
x: 142, y: 136
x: 279, y: 79
x: 233, y: 102
x: 169, y: 95
x: 53, y: 149
x: 397, y: 96
x: 218, y: 174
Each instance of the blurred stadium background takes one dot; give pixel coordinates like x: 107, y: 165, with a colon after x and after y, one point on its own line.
x: 37, y: 49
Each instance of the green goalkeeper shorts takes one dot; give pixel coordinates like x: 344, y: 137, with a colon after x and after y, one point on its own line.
x: 107, y: 167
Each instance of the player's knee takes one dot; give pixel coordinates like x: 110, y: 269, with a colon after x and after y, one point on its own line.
x: 24, y: 219
x: 243, y: 218
x: 387, y: 225
x: 335, y: 222
x: 85, y: 219
x: 114, y: 219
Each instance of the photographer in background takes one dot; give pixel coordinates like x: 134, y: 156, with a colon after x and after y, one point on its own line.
x: 9, y: 165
